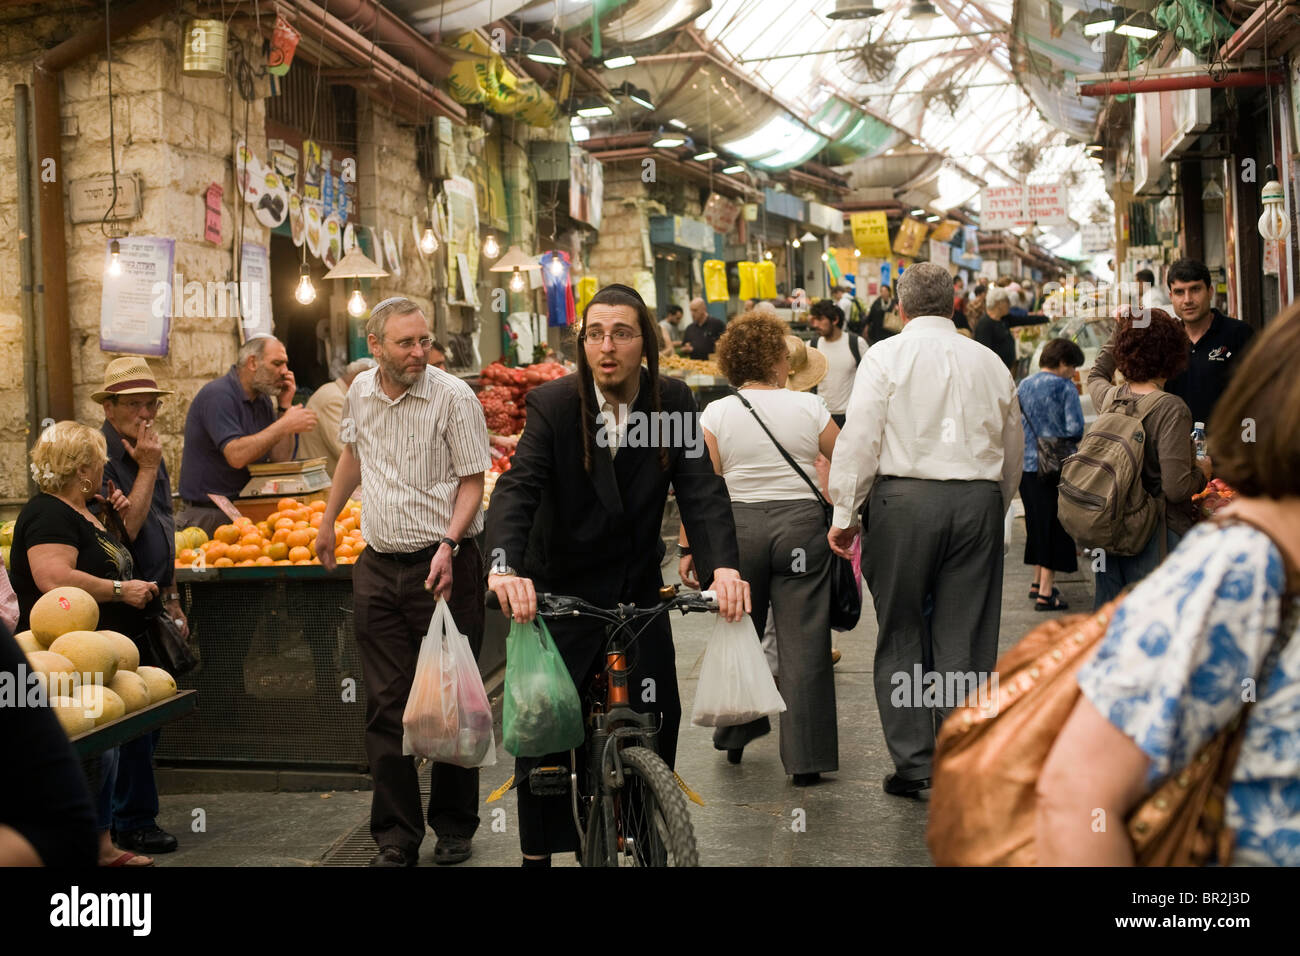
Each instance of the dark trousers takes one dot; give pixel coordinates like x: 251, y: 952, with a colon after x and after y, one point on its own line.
x: 1124, y: 570
x: 135, y: 794
x: 546, y: 823
x: 391, y: 616
x: 932, y: 558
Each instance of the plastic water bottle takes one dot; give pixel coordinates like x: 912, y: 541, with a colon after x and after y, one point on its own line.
x: 1198, y: 440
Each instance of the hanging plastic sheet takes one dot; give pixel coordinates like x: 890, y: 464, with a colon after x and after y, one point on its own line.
x: 766, y: 280
x: 587, y: 287
x: 715, y: 280
x: 748, y: 274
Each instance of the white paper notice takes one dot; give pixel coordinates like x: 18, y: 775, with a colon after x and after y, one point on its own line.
x: 136, y: 304
x: 255, y: 291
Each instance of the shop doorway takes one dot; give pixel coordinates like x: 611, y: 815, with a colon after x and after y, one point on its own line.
x: 304, y: 329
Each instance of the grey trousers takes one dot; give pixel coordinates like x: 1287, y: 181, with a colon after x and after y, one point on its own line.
x: 785, y: 558
x: 932, y: 558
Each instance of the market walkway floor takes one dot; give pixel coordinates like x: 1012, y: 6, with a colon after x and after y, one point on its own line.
x: 751, y: 809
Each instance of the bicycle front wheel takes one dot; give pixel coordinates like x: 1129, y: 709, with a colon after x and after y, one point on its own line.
x: 653, y: 822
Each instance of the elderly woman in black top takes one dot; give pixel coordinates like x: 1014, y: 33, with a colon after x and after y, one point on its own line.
x: 60, y: 542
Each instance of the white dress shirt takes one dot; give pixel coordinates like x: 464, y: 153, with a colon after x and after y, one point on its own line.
x: 613, y: 421
x: 927, y: 403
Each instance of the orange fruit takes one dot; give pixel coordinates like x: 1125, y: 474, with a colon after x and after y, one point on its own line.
x: 350, y: 523
x: 283, y: 522
x: 186, y: 557
x: 286, y: 504
x: 264, y: 529
x: 284, y: 561
x: 301, y: 525
x: 242, y: 521
x: 316, y: 519
x: 250, y: 537
x: 299, y: 555
x: 311, y: 546
x: 280, y: 535
x: 263, y: 561
x: 223, y: 563
x: 358, y: 547
x: 214, y: 550
x: 302, y: 562
x: 278, y: 551
x: 243, y: 564
x: 317, y: 506
x: 227, y: 534
x: 343, y: 551
x: 297, y: 539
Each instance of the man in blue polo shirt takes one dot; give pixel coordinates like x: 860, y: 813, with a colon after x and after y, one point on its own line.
x: 132, y: 399
x: 246, y: 416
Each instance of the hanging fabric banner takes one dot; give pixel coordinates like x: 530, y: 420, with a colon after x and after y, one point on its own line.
x: 715, y: 280
x: 747, y: 272
x: 588, y: 286
x: 871, y: 234
x: 767, y: 280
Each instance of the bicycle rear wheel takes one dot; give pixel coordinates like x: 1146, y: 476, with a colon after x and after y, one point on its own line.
x: 654, y: 824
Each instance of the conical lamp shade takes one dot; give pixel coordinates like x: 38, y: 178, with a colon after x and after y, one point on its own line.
x: 355, y: 265
x: 515, y: 258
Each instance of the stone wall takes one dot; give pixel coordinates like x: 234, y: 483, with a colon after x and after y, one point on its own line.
x: 620, y: 251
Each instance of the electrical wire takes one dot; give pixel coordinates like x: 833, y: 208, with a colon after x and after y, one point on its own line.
x: 112, y: 136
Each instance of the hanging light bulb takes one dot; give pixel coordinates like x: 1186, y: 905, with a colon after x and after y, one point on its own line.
x: 1273, y: 224
x: 857, y: 253
x: 428, y: 241
x: 491, y: 248
x: 306, y: 292
x: 767, y: 254
x: 356, y: 302
x: 795, y: 243
x: 517, y: 283
x: 826, y: 257
x: 557, y: 265
x: 114, y: 259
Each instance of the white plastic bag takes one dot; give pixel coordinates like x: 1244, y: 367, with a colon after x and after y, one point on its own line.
x: 736, y: 685
x: 447, y: 716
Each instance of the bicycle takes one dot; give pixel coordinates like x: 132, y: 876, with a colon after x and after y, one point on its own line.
x: 630, y: 810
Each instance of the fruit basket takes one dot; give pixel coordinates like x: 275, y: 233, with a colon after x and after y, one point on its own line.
x: 1216, y: 496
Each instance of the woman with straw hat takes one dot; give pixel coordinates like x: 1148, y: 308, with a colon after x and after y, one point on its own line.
x: 778, y: 521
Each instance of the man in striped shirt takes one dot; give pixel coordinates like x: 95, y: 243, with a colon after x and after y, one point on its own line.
x: 414, y: 437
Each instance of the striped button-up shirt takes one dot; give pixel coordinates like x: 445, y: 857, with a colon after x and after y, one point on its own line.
x: 413, y: 452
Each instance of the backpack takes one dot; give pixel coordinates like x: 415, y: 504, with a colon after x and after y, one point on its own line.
x: 1103, y: 502
x: 857, y: 320
x: 853, y: 347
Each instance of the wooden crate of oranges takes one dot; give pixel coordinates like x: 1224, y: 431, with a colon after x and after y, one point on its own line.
x: 286, y: 536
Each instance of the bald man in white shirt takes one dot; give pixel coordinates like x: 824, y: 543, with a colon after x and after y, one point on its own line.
x: 934, y: 438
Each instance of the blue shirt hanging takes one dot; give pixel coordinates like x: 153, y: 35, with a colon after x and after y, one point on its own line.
x: 560, y: 308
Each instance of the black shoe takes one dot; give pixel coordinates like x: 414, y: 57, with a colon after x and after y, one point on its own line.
x: 452, y: 850
x: 393, y: 856
x: 806, y: 779
x: 898, y: 787
x: 149, y: 840
x: 735, y: 754
x: 1054, y: 603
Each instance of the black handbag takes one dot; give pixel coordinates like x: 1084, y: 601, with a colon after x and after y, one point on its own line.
x: 165, y: 646
x: 846, y: 598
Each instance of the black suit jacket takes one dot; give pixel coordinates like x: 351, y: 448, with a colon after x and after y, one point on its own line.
x: 598, y: 536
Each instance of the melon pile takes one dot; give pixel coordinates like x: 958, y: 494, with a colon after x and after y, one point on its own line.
x: 90, y: 677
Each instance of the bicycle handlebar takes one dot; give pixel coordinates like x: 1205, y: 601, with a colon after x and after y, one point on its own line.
x: 564, y: 605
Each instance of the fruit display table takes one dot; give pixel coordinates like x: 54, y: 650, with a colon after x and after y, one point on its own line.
x: 280, y: 682
x: 135, y: 724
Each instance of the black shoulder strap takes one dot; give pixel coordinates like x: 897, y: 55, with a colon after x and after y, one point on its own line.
x: 811, y: 345
x: 853, y: 347
x: 784, y: 454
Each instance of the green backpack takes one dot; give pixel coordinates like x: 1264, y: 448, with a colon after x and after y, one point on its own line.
x: 1102, y: 502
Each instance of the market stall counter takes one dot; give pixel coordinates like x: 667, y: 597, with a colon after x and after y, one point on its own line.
x: 280, y: 681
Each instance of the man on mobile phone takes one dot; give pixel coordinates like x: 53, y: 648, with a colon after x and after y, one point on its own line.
x: 580, y: 510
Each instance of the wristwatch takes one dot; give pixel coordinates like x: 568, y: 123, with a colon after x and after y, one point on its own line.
x: 505, y: 570
x: 117, y: 590
x: 683, y: 552
x: 455, y: 545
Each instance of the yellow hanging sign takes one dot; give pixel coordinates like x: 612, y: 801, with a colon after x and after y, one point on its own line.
x: 871, y: 234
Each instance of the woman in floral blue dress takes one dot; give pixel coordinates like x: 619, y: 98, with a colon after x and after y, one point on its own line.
x: 1209, y: 629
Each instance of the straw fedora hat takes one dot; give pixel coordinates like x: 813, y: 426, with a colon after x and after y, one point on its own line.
x: 129, y: 375
x: 807, y: 366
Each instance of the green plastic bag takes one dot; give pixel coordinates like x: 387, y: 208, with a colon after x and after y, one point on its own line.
x: 541, y: 713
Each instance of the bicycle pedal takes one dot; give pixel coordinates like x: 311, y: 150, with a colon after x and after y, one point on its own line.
x: 549, y: 781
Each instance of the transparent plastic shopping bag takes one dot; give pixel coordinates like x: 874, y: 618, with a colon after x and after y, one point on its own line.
x: 447, y: 716
x: 541, y: 713
x: 735, y: 685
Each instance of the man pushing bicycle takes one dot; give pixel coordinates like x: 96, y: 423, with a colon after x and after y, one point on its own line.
x: 579, y: 512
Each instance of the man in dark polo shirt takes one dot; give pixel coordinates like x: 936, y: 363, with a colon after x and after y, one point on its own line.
x: 246, y: 416
x: 702, y: 334
x: 1216, y: 343
x: 132, y: 399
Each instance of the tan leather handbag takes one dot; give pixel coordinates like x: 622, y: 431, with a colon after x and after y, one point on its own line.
x: 987, y: 761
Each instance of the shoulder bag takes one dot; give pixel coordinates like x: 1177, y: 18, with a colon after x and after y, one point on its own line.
x: 988, y: 758
x: 846, y: 598
x: 1051, y: 451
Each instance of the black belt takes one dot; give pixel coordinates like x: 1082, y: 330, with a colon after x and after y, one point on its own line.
x: 422, y: 556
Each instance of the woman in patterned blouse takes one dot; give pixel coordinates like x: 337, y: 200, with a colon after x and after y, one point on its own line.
x: 1203, y: 633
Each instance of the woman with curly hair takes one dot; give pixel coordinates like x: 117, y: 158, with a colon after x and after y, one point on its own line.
x: 780, y: 527
x: 1150, y: 347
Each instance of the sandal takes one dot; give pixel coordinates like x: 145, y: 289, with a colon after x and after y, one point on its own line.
x: 1052, y: 604
x: 128, y: 859
x: 1033, y: 592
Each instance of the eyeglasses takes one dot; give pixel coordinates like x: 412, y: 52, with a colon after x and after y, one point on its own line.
x: 153, y: 405
x: 621, y: 336
x: 406, y: 345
